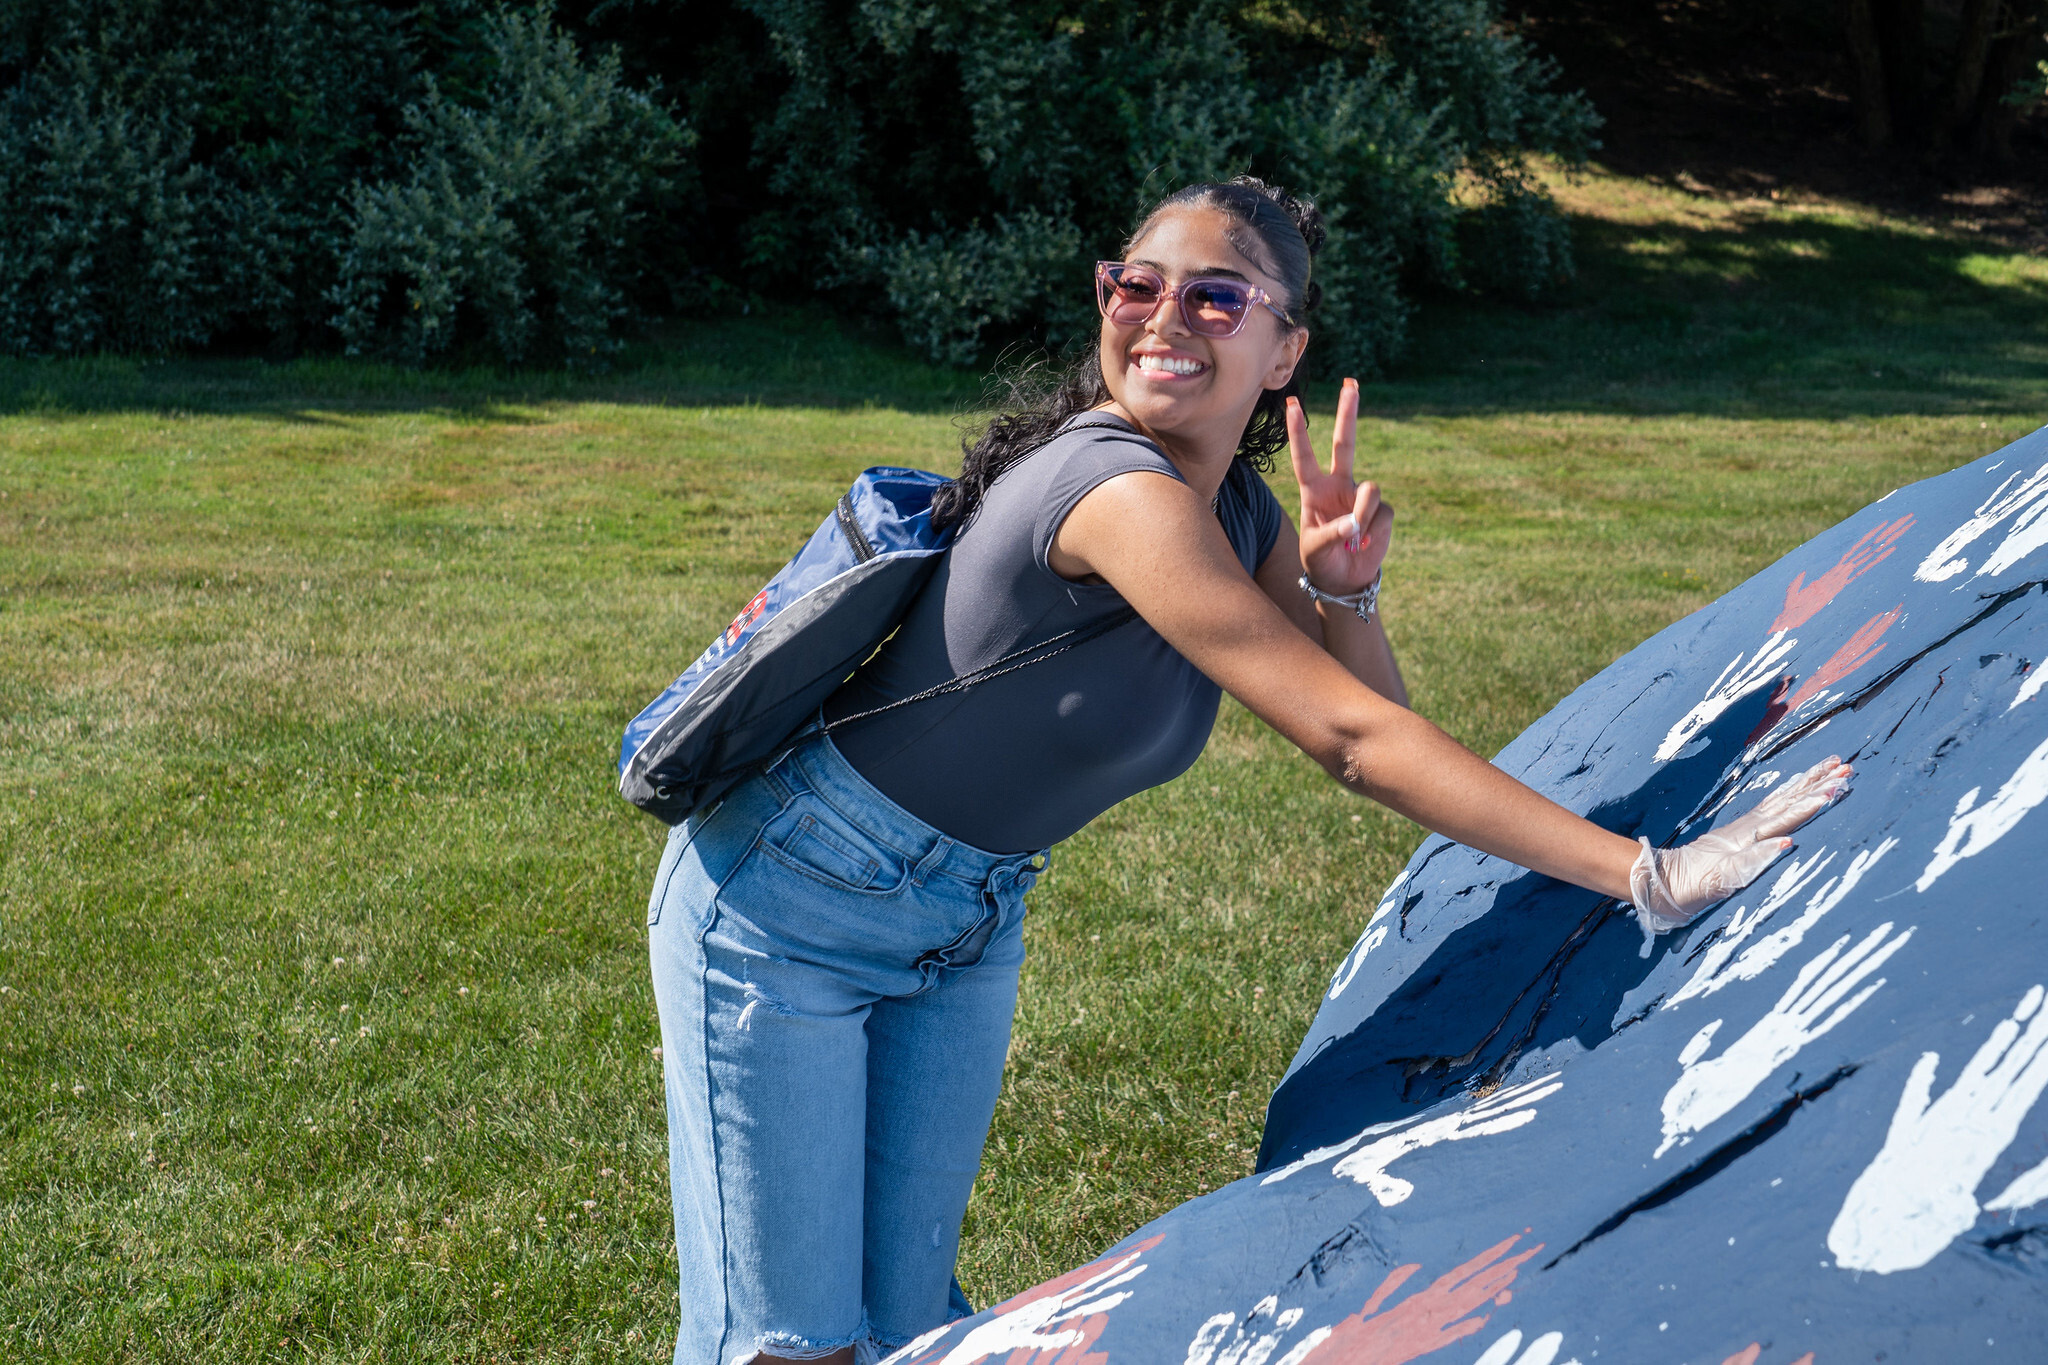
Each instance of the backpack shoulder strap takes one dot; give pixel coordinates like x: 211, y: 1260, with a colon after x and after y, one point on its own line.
x: 1017, y: 658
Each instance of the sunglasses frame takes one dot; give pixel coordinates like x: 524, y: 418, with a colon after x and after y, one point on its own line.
x: 1105, y: 286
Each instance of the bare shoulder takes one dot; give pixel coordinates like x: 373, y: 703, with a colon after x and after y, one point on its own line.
x: 1136, y: 512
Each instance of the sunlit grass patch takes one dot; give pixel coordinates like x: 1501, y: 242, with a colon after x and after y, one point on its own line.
x: 324, y: 1023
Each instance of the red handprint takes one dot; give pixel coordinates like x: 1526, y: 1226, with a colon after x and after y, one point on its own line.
x: 1848, y: 658
x: 1804, y: 600
x: 1748, y: 1354
x: 1428, y: 1319
x: 1840, y: 665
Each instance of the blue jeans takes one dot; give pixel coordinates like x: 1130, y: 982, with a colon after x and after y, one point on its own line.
x: 836, y: 980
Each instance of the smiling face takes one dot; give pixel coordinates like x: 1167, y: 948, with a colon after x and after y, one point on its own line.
x: 1194, y: 393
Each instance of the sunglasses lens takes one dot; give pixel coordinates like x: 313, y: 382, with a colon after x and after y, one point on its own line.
x: 1130, y: 293
x: 1214, y: 307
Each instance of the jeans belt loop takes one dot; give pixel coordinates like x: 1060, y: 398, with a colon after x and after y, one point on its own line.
x: 931, y: 860
x: 1032, y: 869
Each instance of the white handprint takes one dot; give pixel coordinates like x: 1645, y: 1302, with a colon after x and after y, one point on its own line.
x: 1715, y: 969
x: 1499, y: 1112
x: 1710, y: 1089
x: 1971, y: 831
x: 1045, y: 1323
x: 1920, y: 1193
x: 1251, y: 1341
x: 2029, y: 499
x: 1737, y: 680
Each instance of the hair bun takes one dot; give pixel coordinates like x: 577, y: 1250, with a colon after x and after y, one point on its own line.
x: 1300, y: 210
x: 1312, y: 297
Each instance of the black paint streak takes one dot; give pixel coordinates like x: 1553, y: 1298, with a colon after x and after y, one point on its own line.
x: 1351, y: 1243
x: 1856, y: 702
x: 1586, y: 754
x: 1714, y: 1162
x: 1549, y: 979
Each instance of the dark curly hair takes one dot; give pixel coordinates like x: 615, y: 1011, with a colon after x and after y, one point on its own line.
x: 1278, y: 231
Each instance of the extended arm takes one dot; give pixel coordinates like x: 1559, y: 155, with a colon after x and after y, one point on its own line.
x: 1199, y: 598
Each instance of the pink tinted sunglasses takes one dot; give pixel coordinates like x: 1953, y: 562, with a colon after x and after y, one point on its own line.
x: 1129, y: 295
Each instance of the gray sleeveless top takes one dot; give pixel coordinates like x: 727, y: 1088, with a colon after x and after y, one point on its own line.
x: 1023, y: 760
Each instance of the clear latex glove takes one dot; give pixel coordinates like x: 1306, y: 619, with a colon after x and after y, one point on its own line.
x: 1669, y: 887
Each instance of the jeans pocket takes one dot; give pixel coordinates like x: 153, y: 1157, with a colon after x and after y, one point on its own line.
x: 807, y: 840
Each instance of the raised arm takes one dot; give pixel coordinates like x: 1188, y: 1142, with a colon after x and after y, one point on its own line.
x: 1346, y: 531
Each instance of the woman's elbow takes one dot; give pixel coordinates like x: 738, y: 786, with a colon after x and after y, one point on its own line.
x: 1357, y: 742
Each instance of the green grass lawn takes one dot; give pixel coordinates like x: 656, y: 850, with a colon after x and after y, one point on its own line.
x: 324, y: 1023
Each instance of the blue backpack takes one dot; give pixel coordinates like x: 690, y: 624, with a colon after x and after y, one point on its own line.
x: 753, y: 694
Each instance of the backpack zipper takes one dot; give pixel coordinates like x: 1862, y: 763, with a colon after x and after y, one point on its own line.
x: 850, y: 526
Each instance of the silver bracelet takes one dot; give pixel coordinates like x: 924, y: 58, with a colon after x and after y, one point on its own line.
x: 1364, y: 602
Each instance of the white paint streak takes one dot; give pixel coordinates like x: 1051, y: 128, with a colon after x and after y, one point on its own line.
x: 1375, y: 935
x: 1757, y: 783
x: 1319, y: 1155
x: 2029, y: 1189
x: 1503, y: 1350
x: 1541, y: 1351
x: 1030, y: 1327
x: 1499, y: 1112
x: 916, y: 1344
x: 1304, y: 1346
x: 2031, y: 686
x: 1720, y: 966
x: 1919, y: 1193
x: 1974, y: 828
x: 1812, y: 1005
x: 2029, y: 533
x: 2027, y: 497
x: 1737, y: 680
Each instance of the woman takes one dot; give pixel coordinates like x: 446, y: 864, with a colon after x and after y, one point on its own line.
x: 836, y: 945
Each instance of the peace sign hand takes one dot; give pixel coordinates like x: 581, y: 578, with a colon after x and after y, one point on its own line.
x: 1345, y: 528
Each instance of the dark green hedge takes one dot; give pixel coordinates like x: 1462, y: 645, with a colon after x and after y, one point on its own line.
x: 417, y: 180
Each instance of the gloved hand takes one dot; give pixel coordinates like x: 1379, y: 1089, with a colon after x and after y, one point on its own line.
x: 1670, y: 886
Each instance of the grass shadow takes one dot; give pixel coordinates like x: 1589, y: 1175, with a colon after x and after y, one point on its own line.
x: 784, y: 357
x: 1758, y: 313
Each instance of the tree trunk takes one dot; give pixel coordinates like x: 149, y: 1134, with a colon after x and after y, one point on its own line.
x: 1902, y: 40
x: 2013, y: 52
x: 1974, y: 37
x: 1866, y: 65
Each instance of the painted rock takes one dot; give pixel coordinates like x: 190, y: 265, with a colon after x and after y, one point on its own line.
x: 1808, y: 1128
